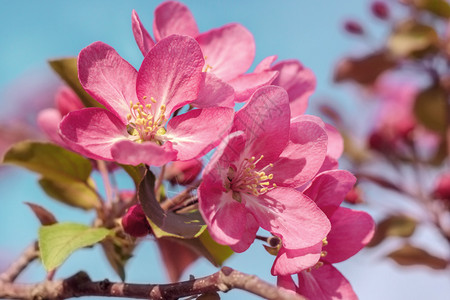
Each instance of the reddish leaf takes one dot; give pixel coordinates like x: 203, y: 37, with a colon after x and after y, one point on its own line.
x: 402, y: 226
x: 409, y: 255
x: 44, y: 216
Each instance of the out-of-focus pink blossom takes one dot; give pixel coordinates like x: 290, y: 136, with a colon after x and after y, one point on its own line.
x: 183, y: 172
x: 249, y: 182
x: 353, y: 27
x: 380, y: 10
x: 442, y: 188
x: 228, y: 51
x: 132, y: 130
x: 354, y: 196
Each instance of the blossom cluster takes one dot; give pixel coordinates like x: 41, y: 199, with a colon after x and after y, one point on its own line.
x: 273, y: 168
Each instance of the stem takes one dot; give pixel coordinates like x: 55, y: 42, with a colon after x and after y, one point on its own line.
x: 158, y: 183
x: 80, y: 285
x: 180, y: 198
x: 103, y: 169
x: 16, y: 268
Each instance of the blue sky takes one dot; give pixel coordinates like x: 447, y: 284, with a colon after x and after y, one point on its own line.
x: 33, y: 32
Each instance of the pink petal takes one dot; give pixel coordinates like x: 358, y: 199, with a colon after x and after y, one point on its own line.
x: 67, y: 101
x: 335, y: 142
x: 92, y: 132
x: 173, y: 18
x: 108, y: 78
x: 171, y: 73
x: 265, y: 64
x: 329, y: 164
x: 298, y: 81
x: 214, y: 92
x: 229, y: 50
x: 141, y: 35
x: 265, y: 122
x: 131, y: 153
x: 291, y: 216
x: 48, y: 121
x: 245, y: 85
x: 351, y: 230
x: 329, y: 188
x: 294, y: 261
x: 226, y: 218
x: 325, y: 283
x: 248, y: 235
x: 198, y: 131
x: 303, y: 156
x: 286, y: 282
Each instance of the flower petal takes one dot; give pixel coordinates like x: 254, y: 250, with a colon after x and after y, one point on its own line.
x: 132, y: 153
x: 335, y: 142
x: 294, y: 261
x: 171, y: 73
x: 48, y: 121
x: 286, y: 282
x: 329, y: 188
x: 198, y: 131
x: 229, y: 50
x: 172, y: 17
x: 141, y: 35
x: 92, y: 132
x: 265, y: 122
x: 245, y: 85
x: 265, y: 64
x: 298, y: 81
x: 290, y: 215
x: 108, y: 78
x: 325, y: 283
x: 351, y: 230
x: 303, y: 156
x: 214, y: 92
x: 67, y: 101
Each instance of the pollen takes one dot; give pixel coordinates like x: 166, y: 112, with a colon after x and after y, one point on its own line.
x: 250, y: 178
x: 143, y: 125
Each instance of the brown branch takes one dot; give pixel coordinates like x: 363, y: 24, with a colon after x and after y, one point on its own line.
x: 80, y: 285
x: 14, y: 270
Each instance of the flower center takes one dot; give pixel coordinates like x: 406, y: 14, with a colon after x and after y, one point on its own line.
x: 249, y: 178
x: 143, y: 125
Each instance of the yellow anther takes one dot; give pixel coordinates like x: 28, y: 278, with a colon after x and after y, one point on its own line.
x: 270, y: 176
x: 152, y: 99
x: 129, y: 117
x: 145, y: 97
x: 148, y: 106
x: 324, y: 242
x: 161, y: 131
x: 323, y: 253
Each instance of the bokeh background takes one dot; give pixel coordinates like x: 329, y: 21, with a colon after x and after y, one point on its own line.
x: 311, y: 31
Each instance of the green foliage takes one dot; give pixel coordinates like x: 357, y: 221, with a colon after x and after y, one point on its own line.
x: 440, y: 8
x: 166, y: 223
x: 68, y: 71
x: 65, y: 175
x: 58, y: 241
x: 118, y: 251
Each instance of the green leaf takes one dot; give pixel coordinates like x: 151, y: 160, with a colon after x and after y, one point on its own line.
x: 118, y: 250
x: 166, y: 223
x: 49, y: 160
x: 77, y: 194
x: 440, y: 8
x: 58, y: 241
x: 409, y: 255
x: 401, y: 226
x: 413, y: 39
x: 430, y: 109
x: 65, y: 175
x: 67, y: 70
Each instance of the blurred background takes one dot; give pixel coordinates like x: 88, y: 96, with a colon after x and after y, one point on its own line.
x: 319, y: 34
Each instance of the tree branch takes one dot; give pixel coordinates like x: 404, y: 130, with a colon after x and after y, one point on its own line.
x: 81, y: 285
x: 14, y: 270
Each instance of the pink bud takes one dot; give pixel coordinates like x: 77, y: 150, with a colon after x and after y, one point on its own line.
x: 442, y: 188
x: 183, y: 172
x: 354, y: 196
x: 135, y: 223
x: 380, y: 10
x: 353, y: 27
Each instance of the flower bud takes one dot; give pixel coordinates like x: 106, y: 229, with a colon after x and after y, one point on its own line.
x: 183, y: 172
x: 135, y: 223
x: 354, y: 196
x: 442, y: 188
x: 353, y: 27
x: 67, y: 101
x: 380, y: 10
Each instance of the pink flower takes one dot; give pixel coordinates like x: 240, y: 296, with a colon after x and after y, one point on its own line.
x: 135, y: 128
x: 48, y: 119
x: 442, y: 188
x: 350, y: 231
x: 297, y: 80
x: 228, y: 51
x: 183, y: 172
x: 249, y: 181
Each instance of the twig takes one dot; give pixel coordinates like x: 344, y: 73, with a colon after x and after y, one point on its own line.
x: 14, y: 270
x: 80, y: 285
x: 180, y: 198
